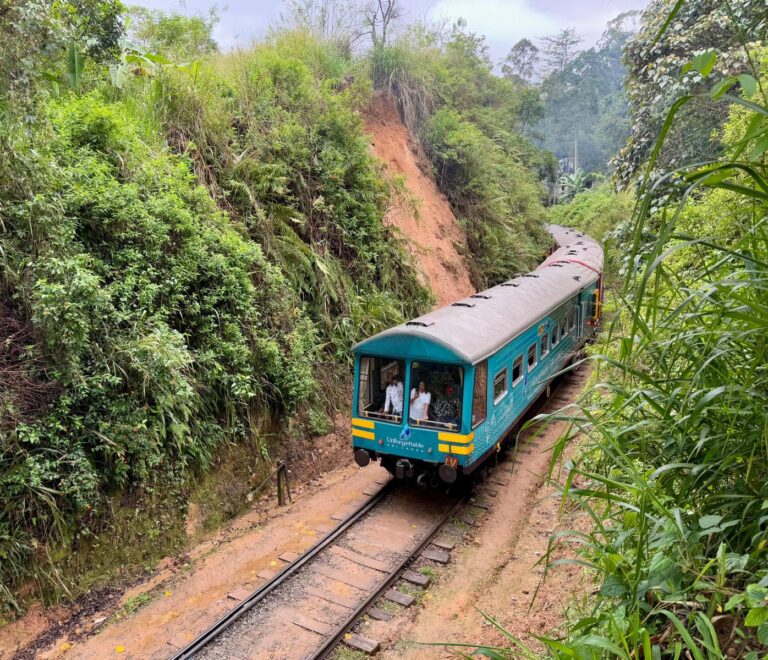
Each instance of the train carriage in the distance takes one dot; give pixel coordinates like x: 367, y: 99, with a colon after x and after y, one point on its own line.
x: 435, y: 396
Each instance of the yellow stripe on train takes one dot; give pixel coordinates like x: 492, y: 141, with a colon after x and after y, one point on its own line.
x: 456, y: 438
x: 368, y: 435
x: 364, y: 423
x: 459, y: 450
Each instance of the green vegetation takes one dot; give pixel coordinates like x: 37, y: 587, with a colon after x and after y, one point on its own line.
x: 586, y: 107
x: 280, y: 145
x: 719, y: 34
x: 346, y: 653
x: 674, y: 473
x: 132, y: 605
x: 150, y: 320
x: 190, y: 242
x: 429, y: 572
x: 676, y: 457
x: 175, y: 35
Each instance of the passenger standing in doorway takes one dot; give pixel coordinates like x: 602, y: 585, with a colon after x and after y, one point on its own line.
x: 420, y: 400
x: 394, y: 400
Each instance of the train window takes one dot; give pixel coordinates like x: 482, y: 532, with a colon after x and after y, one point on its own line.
x: 480, y: 394
x: 544, y: 344
x: 555, y: 334
x: 499, y: 386
x: 380, y: 388
x: 573, y: 321
x: 563, y: 328
x: 517, y: 370
x: 532, y: 356
x: 437, y: 403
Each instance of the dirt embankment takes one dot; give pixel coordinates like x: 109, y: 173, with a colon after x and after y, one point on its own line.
x: 426, y: 221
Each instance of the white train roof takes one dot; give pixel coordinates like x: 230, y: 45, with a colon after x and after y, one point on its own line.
x: 474, y: 328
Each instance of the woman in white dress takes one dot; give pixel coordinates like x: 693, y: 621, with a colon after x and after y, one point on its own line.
x: 420, y: 400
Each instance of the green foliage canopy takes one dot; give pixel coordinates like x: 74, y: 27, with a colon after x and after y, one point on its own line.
x: 35, y: 35
x: 586, y: 108
x: 655, y: 78
x: 177, y: 36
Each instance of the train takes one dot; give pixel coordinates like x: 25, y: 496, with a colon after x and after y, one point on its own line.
x: 435, y: 397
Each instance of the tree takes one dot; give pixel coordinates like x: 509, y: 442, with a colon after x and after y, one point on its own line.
x: 586, y: 107
x: 558, y: 50
x: 342, y: 22
x: 570, y: 185
x: 655, y: 77
x: 37, y: 38
x: 379, y: 16
x: 174, y: 34
x: 520, y: 63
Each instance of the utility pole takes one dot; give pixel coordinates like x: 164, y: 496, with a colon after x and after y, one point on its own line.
x: 575, y: 154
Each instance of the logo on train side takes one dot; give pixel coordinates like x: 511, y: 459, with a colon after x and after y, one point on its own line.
x: 405, y: 433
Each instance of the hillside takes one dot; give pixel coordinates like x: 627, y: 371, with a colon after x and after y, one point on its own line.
x: 434, y: 237
x: 190, y: 244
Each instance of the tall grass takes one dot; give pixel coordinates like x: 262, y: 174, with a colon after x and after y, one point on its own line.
x: 674, y: 474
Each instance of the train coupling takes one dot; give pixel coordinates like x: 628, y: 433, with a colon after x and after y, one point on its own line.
x: 403, y: 469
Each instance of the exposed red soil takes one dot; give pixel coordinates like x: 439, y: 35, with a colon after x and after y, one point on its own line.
x: 432, y: 231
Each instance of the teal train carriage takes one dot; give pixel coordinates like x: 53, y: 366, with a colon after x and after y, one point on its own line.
x: 435, y: 396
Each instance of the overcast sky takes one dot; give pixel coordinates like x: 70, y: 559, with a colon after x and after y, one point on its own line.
x: 503, y: 22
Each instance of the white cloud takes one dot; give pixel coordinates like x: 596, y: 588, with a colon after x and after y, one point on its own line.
x: 501, y: 21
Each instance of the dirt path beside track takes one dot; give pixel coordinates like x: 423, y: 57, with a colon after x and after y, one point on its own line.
x: 499, y: 571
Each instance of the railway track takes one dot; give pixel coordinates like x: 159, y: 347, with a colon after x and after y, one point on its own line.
x: 310, y: 606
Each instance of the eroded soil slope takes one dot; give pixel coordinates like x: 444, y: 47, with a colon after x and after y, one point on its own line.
x: 426, y: 220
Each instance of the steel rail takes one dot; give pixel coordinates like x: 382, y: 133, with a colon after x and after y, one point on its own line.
x: 332, y: 641
x: 273, y: 583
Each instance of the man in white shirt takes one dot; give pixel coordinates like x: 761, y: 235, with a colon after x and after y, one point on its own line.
x: 394, y: 401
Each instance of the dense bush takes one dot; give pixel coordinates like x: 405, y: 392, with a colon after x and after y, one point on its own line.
x: 161, y: 324
x: 153, y: 319
x: 277, y: 136
x: 674, y: 474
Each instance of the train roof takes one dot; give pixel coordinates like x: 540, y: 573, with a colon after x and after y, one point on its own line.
x: 475, y: 327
